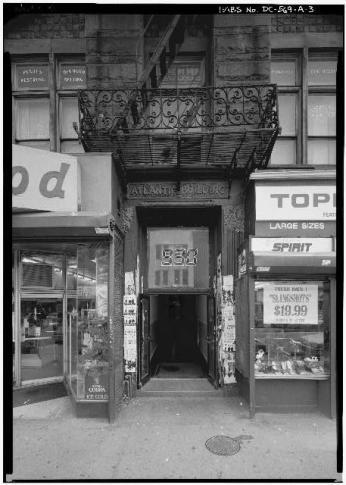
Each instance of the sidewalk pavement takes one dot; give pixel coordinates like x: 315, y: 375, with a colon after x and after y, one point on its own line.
x: 164, y: 438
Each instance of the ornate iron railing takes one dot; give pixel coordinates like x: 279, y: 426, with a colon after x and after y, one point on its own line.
x: 113, y: 112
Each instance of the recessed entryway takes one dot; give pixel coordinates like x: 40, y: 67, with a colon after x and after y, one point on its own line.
x: 175, y: 343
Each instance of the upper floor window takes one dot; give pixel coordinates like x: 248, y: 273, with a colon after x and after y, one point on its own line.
x: 307, y: 103
x: 185, y: 72
x: 45, y: 102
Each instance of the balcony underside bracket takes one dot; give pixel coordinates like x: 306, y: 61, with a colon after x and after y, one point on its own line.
x: 233, y: 165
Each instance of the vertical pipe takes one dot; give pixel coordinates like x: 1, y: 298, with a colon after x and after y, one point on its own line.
x: 52, y: 104
x: 17, y: 317
x: 64, y: 318
x: 251, y: 303
x: 333, y: 349
x: 304, y: 105
x: 70, y: 351
x: 111, y: 323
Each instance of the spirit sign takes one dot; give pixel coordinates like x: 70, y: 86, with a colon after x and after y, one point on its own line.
x: 179, y: 257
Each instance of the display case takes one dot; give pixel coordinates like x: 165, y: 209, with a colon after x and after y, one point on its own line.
x: 87, y: 323
x: 291, y: 329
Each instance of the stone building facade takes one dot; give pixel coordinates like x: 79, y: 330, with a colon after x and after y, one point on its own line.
x: 176, y: 123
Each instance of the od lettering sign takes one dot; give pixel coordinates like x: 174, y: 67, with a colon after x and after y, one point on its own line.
x: 44, y: 180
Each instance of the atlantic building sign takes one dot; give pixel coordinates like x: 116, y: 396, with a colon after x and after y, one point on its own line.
x: 44, y: 181
x: 169, y: 190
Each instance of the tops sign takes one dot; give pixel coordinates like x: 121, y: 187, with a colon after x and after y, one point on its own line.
x: 44, y: 180
x: 296, y: 203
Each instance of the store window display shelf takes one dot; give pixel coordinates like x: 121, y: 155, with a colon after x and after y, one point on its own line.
x: 320, y: 377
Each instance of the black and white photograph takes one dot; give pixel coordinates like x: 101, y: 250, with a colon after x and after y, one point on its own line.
x: 177, y: 304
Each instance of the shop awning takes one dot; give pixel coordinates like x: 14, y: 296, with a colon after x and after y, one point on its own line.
x: 62, y: 225
x: 294, y: 263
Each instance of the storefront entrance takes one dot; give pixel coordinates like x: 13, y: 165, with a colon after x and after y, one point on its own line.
x: 41, y: 337
x: 176, y: 337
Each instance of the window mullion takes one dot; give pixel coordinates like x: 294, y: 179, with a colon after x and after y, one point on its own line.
x: 304, y: 105
x: 52, y: 103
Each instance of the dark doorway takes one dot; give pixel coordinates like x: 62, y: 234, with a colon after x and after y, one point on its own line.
x: 178, y: 339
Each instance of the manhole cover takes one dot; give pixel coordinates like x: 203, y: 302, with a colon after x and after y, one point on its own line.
x: 170, y: 368
x: 223, y: 445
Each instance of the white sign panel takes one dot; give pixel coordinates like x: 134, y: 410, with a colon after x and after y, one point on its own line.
x: 292, y: 245
x: 295, y: 304
x: 295, y: 203
x: 130, y: 348
x: 43, y: 180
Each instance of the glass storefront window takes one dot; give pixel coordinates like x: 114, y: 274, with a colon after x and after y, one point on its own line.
x: 63, y: 316
x: 291, y: 329
x: 178, y: 258
x: 91, y: 317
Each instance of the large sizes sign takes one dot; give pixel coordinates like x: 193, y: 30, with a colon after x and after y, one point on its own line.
x: 44, y: 181
x: 296, y: 228
x: 280, y: 245
x: 295, y: 203
x: 288, y: 303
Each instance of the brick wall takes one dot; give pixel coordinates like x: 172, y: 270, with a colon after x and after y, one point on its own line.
x: 306, y: 23
x: 42, y: 26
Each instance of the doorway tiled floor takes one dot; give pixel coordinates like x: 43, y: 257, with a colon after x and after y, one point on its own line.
x: 179, y: 370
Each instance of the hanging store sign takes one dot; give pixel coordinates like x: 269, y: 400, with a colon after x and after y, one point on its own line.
x: 44, y: 181
x: 295, y: 203
x: 292, y: 245
x: 169, y: 190
x: 293, y: 304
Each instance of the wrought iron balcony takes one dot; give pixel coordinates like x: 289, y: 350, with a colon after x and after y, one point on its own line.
x: 232, y: 127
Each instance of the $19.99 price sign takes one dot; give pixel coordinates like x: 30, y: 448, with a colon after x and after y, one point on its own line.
x: 290, y: 304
